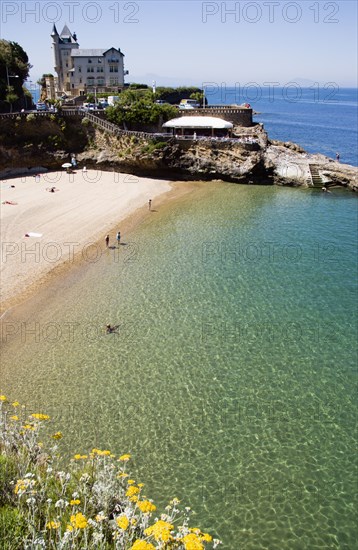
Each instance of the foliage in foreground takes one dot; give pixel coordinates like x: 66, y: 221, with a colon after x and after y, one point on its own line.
x: 93, y: 504
x: 14, y: 70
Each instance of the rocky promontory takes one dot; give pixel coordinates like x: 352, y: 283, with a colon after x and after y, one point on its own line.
x: 250, y: 157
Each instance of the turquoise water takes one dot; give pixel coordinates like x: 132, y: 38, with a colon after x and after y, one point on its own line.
x: 232, y: 381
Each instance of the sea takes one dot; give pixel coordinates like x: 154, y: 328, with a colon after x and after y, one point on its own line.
x: 232, y: 379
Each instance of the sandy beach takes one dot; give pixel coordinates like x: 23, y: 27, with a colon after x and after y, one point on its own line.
x: 67, y: 224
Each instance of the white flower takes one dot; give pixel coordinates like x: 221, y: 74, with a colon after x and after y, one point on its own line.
x: 85, y: 478
x: 92, y: 522
x: 40, y: 542
x: 75, y: 495
x: 59, y: 503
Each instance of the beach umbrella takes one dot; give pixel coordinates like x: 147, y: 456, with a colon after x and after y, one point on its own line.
x: 66, y: 165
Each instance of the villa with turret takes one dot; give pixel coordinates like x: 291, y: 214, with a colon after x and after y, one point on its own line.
x: 79, y: 71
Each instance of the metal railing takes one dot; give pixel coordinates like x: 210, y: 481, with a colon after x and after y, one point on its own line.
x: 116, y: 131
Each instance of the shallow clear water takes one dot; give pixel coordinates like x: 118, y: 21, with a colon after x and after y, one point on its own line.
x: 232, y: 380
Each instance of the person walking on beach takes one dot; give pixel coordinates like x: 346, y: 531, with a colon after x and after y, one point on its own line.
x: 118, y: 237
x: 107, y: 241
x: 337, y: 157
x: 150, y: 204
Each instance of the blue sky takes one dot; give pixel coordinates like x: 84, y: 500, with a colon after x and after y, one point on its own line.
x: 191, y: 42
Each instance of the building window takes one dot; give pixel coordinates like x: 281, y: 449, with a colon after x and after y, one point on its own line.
x: 113, y: 69
x: 90, y: 69
x: 80, y: 69
x: 99, y: 69
x: 90, y: 61
x: 113, y: 81
x: 80, y: 80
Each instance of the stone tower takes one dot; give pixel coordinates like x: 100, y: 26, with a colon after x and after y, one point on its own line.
x: 63, y: 44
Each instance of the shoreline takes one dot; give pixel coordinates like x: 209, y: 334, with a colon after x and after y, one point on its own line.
x: 86, y: 207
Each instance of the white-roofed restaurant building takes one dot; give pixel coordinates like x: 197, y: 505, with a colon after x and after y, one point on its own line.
x: 199, y: 126
x: 80, y: 71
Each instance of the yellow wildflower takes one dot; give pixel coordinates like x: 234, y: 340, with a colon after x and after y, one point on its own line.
x: 74, y: 502
x: 40, y: 416
x: 80, y: 457
x: 79, y: 521
x: 142, y: 545
x: 124, y: 458
x: 140, y: 485
x: 20, y: 486
x: 146, y: 506
x: 57, y: 435
x: 192, y: 542
x: 29, y: 427
x: 3, y: 398
x: 122, y: 474
x: 53, y: 524
x: 14, y: 417
x: 100, y: 453
x: 131, y: 481
x: 15, y: 404
x: 160, y: 530
x: 122, y: 522
x: 203, y: 536
x: 132, y: 490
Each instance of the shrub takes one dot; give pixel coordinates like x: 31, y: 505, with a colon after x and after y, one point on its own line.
x: 31, y: 117
x: 153, y: 146
x: 92, y: 503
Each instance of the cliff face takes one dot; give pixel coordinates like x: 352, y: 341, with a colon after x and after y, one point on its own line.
x: 49, y: 143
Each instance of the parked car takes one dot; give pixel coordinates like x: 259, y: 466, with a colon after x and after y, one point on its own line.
x: 160, y: 101
x: 189, y: 104
x: 88, y: 107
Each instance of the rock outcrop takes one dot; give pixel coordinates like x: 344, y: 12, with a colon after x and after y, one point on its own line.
x: 253, y: 158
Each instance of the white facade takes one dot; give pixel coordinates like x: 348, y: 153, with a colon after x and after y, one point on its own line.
x: 81, y: 71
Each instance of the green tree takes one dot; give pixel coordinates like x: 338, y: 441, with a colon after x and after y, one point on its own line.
x: 199, y: 96
x: 139, y: 112
x: 14, y: 70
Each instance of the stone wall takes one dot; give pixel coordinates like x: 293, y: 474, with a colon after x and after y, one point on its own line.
x: 239, y: 116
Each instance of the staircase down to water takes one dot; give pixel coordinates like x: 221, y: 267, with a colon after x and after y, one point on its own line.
x: 315, y: 180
